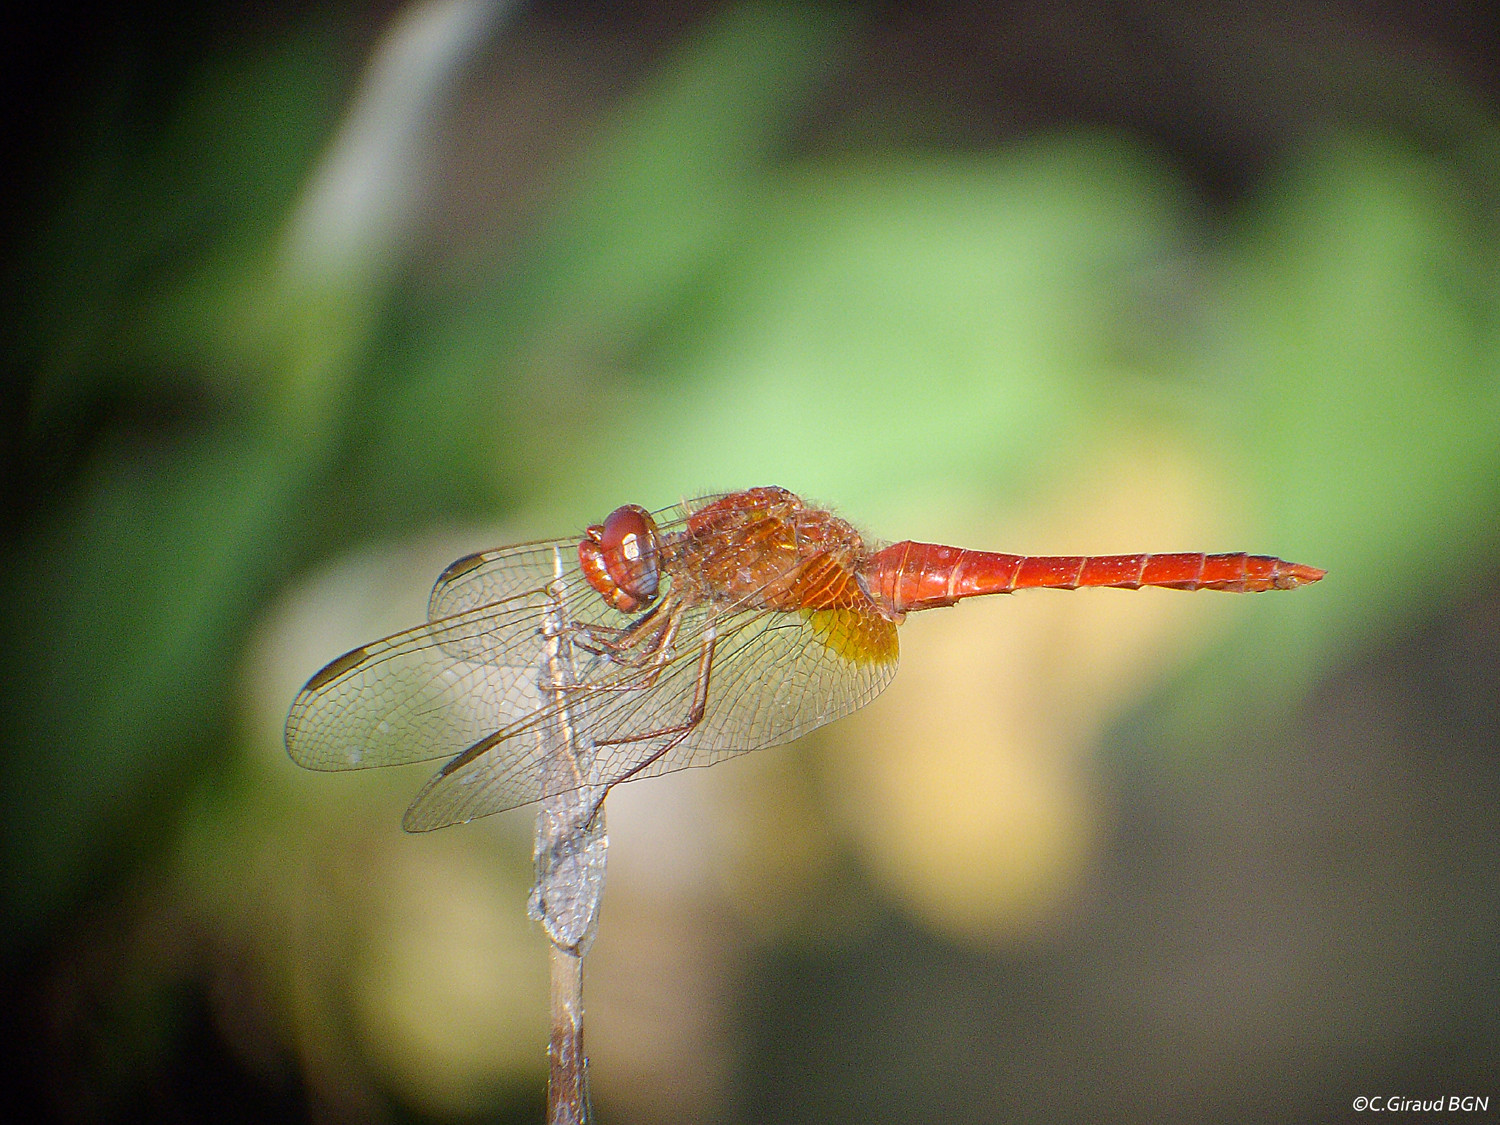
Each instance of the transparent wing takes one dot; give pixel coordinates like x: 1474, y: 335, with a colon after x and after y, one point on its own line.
x: 496, y: 576
x: 437, y: 689
x: 465, y: 685
x: 487, y: 577
x: 772, y: 678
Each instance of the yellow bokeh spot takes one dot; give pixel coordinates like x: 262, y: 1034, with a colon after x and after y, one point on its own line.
x: 968, y: 788
x: 451, y: 988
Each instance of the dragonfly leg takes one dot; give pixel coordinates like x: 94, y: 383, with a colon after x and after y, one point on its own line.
x: 653, y: 658
x: 678, y: 734
x: 602, y: 640
x: 640, y: 635
x: 658, y: 654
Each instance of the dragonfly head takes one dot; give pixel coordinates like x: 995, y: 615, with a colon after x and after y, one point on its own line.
x: 619, y: 558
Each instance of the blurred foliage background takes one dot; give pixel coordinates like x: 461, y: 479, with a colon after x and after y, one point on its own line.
x: 306, y: 301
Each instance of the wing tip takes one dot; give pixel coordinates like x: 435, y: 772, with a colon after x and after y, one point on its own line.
x: 333, y: 670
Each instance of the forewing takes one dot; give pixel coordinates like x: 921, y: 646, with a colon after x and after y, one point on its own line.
x: 496, y: 576
x: 486, y: 577
x: 414, y: 697
x: 435, y: 690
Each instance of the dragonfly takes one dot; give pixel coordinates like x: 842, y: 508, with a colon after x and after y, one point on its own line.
x: 700, y: 632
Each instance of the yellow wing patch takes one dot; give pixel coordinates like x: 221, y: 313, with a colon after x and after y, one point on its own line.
x: 858, y: 635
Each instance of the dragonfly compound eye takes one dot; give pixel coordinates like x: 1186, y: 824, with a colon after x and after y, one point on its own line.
x: 619, y: 558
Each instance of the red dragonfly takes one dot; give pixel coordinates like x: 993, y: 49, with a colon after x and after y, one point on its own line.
x: 723, y: 625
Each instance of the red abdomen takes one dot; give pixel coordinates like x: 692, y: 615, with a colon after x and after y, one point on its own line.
x: 908, y: 576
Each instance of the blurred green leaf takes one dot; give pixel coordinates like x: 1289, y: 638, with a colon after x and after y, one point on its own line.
x: 1355, y: 371
x: 504, y: 381
x: 125, y: 602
